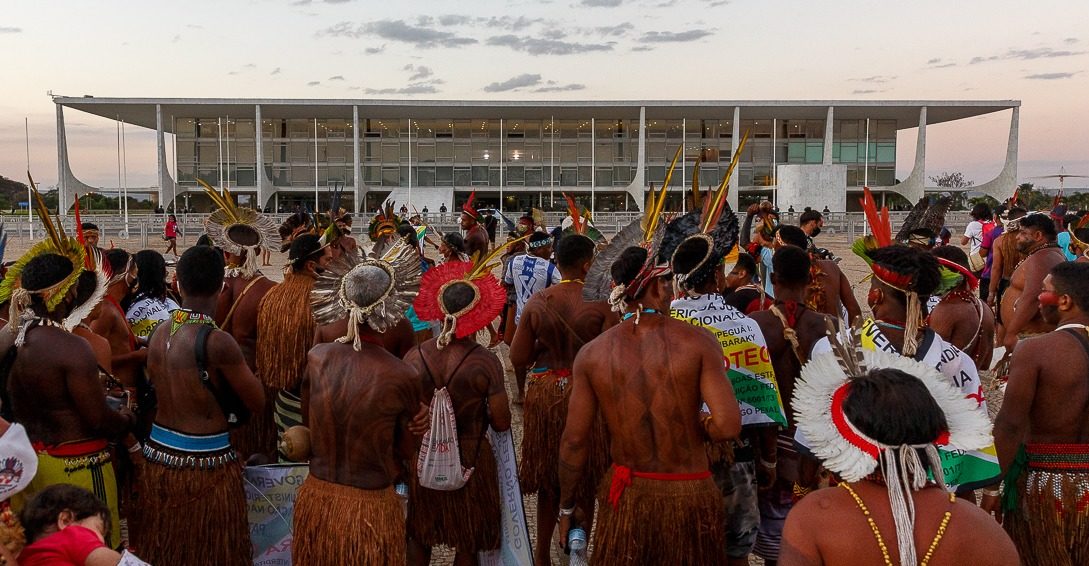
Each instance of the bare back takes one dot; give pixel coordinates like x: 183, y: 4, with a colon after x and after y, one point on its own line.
x: 556, y: 323
x: 112, y: 325
x: 836, y: 289
x: 473, y: 377
x: 54, y: 388
x: 967, y: 324
x: 476, y: 241
x: 184, y: 403
x: 810, y: 326
x: 358, y: 405
x: 649, y: 380
x: 240, y: 300
x: 970, y: 532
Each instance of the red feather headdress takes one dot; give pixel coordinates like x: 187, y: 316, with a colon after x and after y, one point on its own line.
x: 467, y: 208
x: 488, y: 301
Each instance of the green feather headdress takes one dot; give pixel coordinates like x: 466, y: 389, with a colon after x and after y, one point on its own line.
x: 55, y: 242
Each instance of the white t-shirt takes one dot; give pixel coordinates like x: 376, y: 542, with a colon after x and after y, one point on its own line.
x: 146, y: 312
x: 529, y: 274
x: 974, y: 233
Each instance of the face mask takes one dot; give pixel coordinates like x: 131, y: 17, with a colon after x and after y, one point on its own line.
x: 19, y: 463
x: 816, y: 231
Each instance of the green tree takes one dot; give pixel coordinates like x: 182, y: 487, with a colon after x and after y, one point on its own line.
x: 954, y: 180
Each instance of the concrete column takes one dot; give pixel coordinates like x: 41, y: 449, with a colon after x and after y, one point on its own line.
x: 828, y: 121
x: 637, y: 188
x: 358, y: 191
x: 913, y: 187
x: 260, y: 169
x: 160, y: 150
x: 1002, y: 186
x: 735, y: 181
x: 62, y: 162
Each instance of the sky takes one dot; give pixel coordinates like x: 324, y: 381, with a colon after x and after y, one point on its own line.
x: 1036, y: 52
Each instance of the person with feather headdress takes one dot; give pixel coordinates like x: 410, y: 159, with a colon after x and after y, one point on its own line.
x: 959, y: 316
x: 285, y: 332
x: 902, y: 279
x: 657, y: 503
x: 243, y: 235
x: 701, y: 247
x: 463, y: 298
x: 879, y: 422
x: 50, y: 383
x: 476, y: 237
x: 362, y: 406
x: 555, y: 324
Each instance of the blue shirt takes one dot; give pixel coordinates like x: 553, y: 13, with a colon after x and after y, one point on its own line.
x: 765, y: 258
x: 529, y: 274
x: 1064, y: 244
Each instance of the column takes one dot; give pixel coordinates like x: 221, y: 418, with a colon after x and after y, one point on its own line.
x: 260, y: 169
x: 62, y: 162
x: 735, y: 181
x: 358, y: 191
x: 160, y: 150
x: 828, y: 137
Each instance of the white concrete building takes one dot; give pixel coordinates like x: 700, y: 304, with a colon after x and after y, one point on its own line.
x: 278, y: 154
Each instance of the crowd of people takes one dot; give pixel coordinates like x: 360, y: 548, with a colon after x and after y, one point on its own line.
x: 694, y: 390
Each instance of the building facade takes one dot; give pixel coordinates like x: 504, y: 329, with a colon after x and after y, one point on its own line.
x: 279, y: 154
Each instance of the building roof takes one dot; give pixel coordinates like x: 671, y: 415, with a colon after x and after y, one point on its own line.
x: 141, y: 111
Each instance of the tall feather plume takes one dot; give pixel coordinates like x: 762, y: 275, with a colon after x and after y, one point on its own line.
x: 222, y: 201
x: 577, y: 223
x: 1013, y: 199
x: 914, y: 219
x: 878, y: 221
x: 54, y: 231
x: 717, y: 204
x: 654, y: 212
x: 484, y: 265
x: 1055, y: 201
x: 598, y: 280
x: 89, y: 259
x: 697, y: 196
x: 934, y: 219
x: 847, y: 346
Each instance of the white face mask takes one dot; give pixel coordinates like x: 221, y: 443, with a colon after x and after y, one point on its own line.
x: 18, y: 461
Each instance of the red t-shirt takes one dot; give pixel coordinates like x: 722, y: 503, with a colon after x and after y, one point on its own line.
x: 68, y: 547
x: 171, y: 229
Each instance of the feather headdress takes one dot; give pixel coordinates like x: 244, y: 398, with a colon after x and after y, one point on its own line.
x: 384, y: 223
x: 55, y: 242
x: 488, y: 296
x: 881, y: 237
x: 376, y: 291
x: 712, y: 231
x: 644, y: 233
x: 239, y: 231
x: 924, y: 222
x: 823, y: 387
x: 578, y: 222
x: 468, y: 208
x: 97, y: 265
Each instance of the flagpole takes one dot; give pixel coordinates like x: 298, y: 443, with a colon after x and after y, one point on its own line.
x: 125, y: 183
x: 29, y: 198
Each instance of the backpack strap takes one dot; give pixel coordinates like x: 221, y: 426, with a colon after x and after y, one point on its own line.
x: 200, y: 352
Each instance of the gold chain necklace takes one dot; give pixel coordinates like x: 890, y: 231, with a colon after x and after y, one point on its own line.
x: 881, y: 541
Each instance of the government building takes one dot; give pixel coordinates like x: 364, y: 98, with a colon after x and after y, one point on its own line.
x: 279, y: 154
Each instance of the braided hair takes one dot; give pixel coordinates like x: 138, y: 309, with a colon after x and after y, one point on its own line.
x: 921, y: 266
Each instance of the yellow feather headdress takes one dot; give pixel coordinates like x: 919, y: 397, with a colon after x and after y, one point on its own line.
x: 55, y: 242
x: 237, y: 230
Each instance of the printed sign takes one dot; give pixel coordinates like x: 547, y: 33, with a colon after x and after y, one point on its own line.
x: 514, y: 549
x: 270, y: 496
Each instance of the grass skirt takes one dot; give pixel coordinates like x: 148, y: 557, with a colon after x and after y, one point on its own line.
x: 1050, y: 525
x: 466, y: 519
x: 259, y: 435
x: 547, y: 395
x: 660, y: 522
x: 340, y: 524
x: 191, y: 516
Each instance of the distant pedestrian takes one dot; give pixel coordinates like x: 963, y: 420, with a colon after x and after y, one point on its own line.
x: 442, y: 212
x: 170, y: 234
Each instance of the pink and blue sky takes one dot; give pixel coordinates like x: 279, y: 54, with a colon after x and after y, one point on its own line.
x: 1037, y: 52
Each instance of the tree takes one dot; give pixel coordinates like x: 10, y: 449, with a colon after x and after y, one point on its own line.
x: 1031, y: 199
x: 954, y: 180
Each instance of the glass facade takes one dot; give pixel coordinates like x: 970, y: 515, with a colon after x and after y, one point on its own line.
x: 518, y: 155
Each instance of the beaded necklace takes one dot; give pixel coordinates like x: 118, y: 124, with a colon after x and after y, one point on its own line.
x: 877, y: 532
x: 181, y: 317
x: 1033, y: 252
x: 637, y: 313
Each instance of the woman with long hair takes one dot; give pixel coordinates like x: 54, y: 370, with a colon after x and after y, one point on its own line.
x: 149, y: 300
